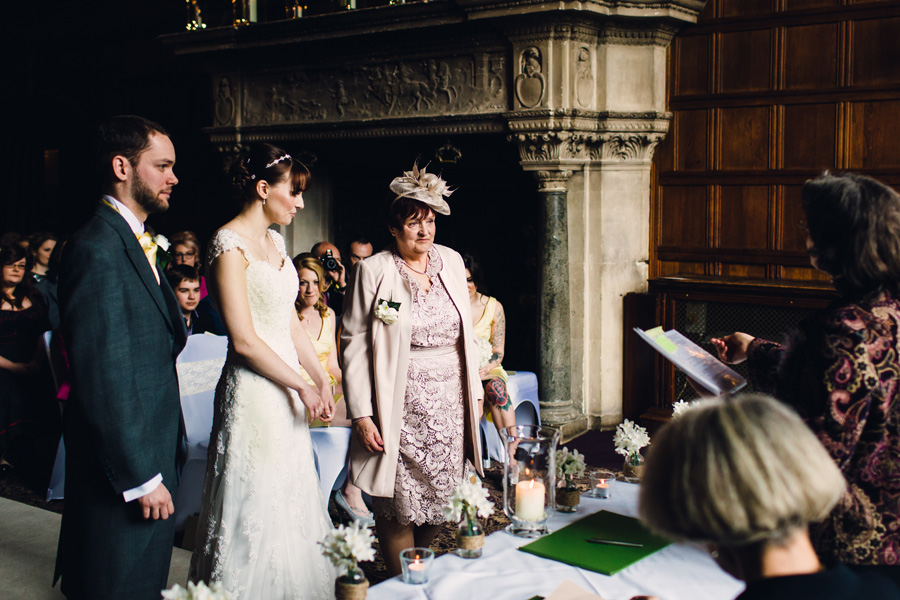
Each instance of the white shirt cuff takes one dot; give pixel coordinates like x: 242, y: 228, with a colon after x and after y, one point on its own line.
x: 135, y: 493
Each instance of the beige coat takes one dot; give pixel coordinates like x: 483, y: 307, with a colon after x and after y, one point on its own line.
x: 376, y: 360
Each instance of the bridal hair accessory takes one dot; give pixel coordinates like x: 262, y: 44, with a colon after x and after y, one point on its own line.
x: 278, y: 160
x: 425, y: 187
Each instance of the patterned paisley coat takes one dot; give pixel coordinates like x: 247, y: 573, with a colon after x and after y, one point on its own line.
x: 840, y: 371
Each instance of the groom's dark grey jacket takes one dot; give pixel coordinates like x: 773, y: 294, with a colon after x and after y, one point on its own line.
x: 123, y: 331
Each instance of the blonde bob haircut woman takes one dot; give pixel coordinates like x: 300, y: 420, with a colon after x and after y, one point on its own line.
x: 736, y: 472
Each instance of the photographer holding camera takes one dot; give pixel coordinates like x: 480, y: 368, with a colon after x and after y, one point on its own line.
x: 335, y: 274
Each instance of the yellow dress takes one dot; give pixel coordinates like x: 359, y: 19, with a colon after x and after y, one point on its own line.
x: 483, y: 335
x: 323, y: 345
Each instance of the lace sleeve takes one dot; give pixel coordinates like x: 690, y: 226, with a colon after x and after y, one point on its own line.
x: 223, y: 241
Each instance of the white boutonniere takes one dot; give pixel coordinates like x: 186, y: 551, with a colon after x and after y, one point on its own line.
x: 163, y: 258
x: 388, y: 311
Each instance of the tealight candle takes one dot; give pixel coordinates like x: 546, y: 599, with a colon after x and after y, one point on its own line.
x: 416, y: 564
x: 530, y: 500
x: 600, y: 484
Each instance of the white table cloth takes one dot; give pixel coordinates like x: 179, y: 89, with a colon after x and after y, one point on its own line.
x: 677, y: 572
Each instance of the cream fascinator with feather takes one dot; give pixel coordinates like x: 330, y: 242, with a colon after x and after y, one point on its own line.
x: 425, y: 187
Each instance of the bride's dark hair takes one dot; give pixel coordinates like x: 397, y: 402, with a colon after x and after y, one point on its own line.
x: 262, y: 161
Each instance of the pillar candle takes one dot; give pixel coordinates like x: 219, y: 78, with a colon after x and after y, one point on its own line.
x: 530, y: 500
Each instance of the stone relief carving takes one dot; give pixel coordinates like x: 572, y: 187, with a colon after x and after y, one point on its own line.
x: 428, y: 87
x: 584, y: 77
x: 224, y: 107
x: 567, y: 145
x: 530, y: 81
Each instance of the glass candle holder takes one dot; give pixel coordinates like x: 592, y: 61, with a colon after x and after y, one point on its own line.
x: 416, y: 565
x: 600, y: 483
x: 529, y: 479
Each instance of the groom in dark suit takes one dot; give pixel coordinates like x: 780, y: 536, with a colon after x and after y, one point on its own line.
x: 123, y: 330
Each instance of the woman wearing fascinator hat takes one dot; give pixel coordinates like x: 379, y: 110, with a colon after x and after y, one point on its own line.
x: 411, y: 370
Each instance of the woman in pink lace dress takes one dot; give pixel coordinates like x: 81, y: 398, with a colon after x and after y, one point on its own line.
x: 411, y: 371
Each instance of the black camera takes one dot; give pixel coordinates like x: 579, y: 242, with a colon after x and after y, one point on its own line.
x: 330, y: 262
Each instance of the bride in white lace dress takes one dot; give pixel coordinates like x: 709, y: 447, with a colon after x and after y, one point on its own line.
x: 262, y: 513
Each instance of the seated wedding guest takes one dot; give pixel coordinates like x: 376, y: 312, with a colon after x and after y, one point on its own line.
x: 745, y: 477
x: 185, y: 250
x: 336, y: 281
x: 185, y: 282
x: 490, y: 332
x: 360, y: 248
x: 41, y: 244
x: 411, y: 371
x: 319, y: 323
x: 841, y: 370
x: 23, y: 319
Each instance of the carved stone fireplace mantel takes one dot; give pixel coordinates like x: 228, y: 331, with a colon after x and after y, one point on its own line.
x: 578, y: 87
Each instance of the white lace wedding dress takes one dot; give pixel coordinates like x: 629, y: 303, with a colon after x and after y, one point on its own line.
x: 262, y: 512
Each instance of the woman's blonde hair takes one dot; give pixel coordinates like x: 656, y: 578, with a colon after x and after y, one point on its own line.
x: 308, y: 261
x: 736, y: 472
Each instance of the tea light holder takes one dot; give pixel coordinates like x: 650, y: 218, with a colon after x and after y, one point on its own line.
x: 416, y: 565
x: 600, y: 484
x: 529, y: 479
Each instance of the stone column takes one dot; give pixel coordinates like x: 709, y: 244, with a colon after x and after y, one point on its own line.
x: 554, y: 334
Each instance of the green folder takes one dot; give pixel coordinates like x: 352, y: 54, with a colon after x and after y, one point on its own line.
x: 570, y: 544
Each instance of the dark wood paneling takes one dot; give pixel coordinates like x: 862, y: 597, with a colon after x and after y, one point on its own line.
x: 744, y: 138
x: 874, y: 135
x: 810, y: 136
x: 745, y: 59
x: 693, y: 65
x: 810, y: 56
x: 691, y: 154
x: 795, y: 87
x: 745, y: 8
x: 685, y: 215
x: 876, y: 52
x: 744, y: 217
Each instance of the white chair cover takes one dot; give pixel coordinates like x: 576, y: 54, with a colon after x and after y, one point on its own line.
x: 199, y: 367
x: 523, y: 389
x: 330, y: 445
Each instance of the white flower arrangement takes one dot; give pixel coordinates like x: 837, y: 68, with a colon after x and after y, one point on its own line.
x: 388, y: 311
x: 197, y: 591
x: 629, y: 439
x: 679, y: 408
x: 346, y: 546
x: 569, y: 465
x: 468, y: 500
x: 485, y: 352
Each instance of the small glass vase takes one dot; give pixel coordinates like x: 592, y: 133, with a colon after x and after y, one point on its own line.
x: 568, y: 498
x: 352, y: 586
x: 633, y: 470
x: 470, y: 538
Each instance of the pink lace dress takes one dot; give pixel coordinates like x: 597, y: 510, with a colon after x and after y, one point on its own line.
x: 431, y: 436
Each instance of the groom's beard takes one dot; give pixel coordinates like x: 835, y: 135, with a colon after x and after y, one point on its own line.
x: 147, y: 198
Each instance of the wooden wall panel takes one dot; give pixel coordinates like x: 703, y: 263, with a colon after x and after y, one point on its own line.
x: 802, y: 4
x: 876, y: 51
x: 766, y: 94
x: 745, y: 59
x: 792, y: 222
x: 743, y: 217
x: 693, y: 76
x: 811, y: 56
x: 690, y: 148
x: 745, y: 8
x: 744, y: 138
x: 684, y: 210
x: 810, y: 136
x: 874, y: 134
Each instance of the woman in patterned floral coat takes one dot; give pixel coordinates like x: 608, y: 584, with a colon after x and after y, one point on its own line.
x: 840, y: 370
